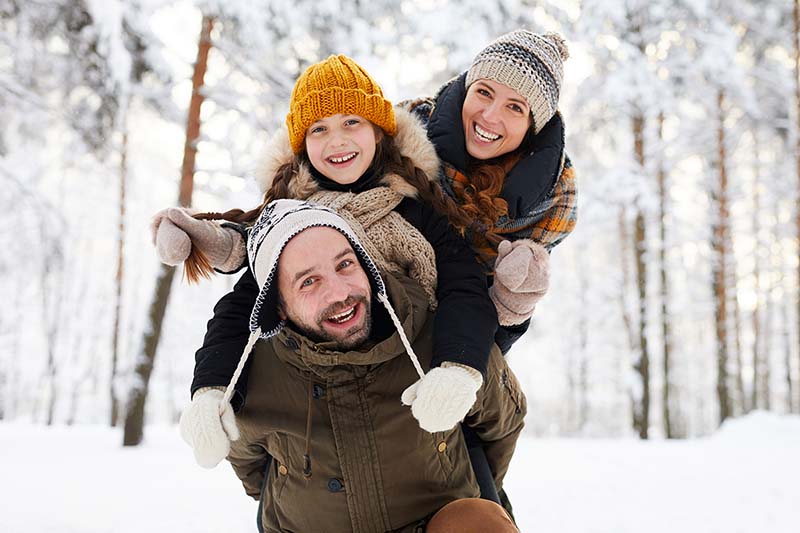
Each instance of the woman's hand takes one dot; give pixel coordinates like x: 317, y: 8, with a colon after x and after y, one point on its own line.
x: 522, y: 276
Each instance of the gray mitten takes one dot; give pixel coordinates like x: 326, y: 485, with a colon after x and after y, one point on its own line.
x: 175, y: 232
x: 522, y: 276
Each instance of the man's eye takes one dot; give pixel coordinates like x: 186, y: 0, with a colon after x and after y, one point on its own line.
x: 346, y: 263
x: 307, y: 282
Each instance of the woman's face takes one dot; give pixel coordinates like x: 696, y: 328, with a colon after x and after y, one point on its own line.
x: 495, y: 117
x: 341, y: 147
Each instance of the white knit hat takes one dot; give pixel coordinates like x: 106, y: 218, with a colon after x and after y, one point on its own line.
x: 279, y: 222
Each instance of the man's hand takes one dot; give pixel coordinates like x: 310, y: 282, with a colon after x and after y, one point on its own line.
x: 175, y: 231
x: 522, y: 276
x: 208, y: 432
x: 442, y: 398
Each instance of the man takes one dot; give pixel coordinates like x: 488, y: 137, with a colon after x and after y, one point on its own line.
x: 324, y: 393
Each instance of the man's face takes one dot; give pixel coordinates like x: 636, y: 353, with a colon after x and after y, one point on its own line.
x: 323, y: 288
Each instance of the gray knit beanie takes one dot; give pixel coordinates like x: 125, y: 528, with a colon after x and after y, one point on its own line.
x: 531, y: 64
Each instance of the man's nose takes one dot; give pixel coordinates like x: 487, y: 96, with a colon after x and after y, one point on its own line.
x: 338, y: 291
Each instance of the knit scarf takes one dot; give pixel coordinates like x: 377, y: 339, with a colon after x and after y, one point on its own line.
x: 390, y: 240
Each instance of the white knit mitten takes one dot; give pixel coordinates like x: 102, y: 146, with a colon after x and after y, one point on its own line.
x: 175, y: 231
x: 442, y: 398
x: 205, y: 430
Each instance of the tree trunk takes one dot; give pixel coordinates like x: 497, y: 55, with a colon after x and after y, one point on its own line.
x: 115, y: 347
x: 797, y: 156
x: 642, y: 366
x: 756, y: 274
x: 719, y: 272
x: 665, y: 317
x: 134, y: 419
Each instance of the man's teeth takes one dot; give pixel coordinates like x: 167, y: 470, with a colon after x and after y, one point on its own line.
x: 343, y: 159
x: 485, y: 135
x: 343, y: 317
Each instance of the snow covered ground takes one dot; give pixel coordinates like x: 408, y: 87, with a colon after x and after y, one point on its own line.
x: 743, y: 479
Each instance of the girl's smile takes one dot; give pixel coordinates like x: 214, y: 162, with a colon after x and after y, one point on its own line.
x: 342, y: 147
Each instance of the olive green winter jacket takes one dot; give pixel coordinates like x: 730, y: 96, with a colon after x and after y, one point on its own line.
x: 372, y: 468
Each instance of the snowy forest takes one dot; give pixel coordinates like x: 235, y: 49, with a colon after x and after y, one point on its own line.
x: 673, y: 306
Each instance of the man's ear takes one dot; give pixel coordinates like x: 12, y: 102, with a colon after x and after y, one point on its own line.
x: 281, y: 312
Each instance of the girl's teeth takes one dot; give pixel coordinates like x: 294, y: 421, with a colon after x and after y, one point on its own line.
x: 485, y: 135
x: 348, y: 157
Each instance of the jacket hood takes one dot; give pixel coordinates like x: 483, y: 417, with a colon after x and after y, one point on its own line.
x: 409, y: 302
x: 411, y: 139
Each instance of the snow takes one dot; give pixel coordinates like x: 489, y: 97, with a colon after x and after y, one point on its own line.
x: 741, y: 479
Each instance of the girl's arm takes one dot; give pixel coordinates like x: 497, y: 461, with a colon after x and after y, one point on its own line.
x: 226, y: 336
x: 466, y: 319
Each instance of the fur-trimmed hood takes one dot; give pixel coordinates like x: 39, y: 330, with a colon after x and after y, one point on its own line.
x: 411, y: 139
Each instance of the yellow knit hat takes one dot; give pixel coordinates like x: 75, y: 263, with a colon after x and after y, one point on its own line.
x: 336, y: 85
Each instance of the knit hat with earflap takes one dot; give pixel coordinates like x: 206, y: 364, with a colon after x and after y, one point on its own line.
x: 280, y: 222
x: 531, y: 64
x: 336, y: 85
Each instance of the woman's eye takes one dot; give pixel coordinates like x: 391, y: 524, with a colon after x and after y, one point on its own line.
x: 483, y: 92
x: 351, y: 122
x: 316, y: 129
x: 516, y: 108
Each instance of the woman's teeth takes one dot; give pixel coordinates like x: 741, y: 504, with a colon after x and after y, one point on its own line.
x: 343, y: 317
x: 486, y: 135
x: 343, y: 159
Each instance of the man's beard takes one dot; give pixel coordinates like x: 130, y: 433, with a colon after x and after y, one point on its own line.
x: 347, y: 340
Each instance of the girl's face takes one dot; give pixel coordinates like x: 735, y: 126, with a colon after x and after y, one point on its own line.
x: 341, y: 147
x: 495, y: 117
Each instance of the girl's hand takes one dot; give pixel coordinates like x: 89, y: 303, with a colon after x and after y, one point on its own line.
x: 175, y: 232
x: 442, y: 398
x: 522, y: 276
x: 207, y: 430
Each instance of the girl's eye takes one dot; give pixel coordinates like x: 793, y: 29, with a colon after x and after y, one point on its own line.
x: 351, y: 122
x: 316, y: 129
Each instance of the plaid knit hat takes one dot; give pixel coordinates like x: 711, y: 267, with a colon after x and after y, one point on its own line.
x: 279, y: 223
x: 336, y: 85
x: 531, y: 64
